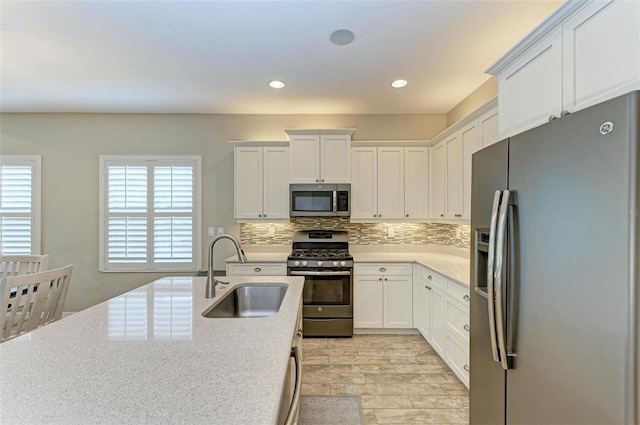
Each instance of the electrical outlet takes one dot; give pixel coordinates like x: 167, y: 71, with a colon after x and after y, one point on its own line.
x: 391, y: 232
x: 220, y: 230
x: 272, y: 231
x: 458, y: 232
x: 211, y: 231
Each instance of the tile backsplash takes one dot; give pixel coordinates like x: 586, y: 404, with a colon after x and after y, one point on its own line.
x: 360, y: 233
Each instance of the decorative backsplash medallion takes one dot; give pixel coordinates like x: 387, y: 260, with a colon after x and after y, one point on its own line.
x: 360, y: 233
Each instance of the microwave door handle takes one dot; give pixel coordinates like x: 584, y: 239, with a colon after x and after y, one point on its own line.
x: 490, y: 264
x: 335, y: 201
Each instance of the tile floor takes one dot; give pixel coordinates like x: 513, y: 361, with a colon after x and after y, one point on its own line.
x: 399, y: 378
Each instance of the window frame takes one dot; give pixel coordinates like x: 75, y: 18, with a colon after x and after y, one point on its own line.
x: 149, y: 266
x: 35, y: 161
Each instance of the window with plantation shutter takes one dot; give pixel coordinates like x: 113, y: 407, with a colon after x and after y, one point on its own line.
x: 150, y: 213
x: 19, y: 204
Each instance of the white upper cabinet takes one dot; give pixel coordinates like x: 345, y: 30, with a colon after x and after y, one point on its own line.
x: 469, y: 146
x: 439, y: 180
x: 389, y: 182
x: 488, y: 129
x: 364, y: 183
x: 416, y: 182
x: 261, y: 184
x: 530, y: 90
x: 320, y: 156
x: 601, y: 59
x: 584, y: 53
x: 454, y: 177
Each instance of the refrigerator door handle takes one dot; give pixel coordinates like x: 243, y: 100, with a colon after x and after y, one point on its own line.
x: 490, y: 284
x: 499, y: 274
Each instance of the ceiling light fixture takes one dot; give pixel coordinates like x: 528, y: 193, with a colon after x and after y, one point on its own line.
x: 399, y: 84
x: 341, y: 37
x: 276, y: 84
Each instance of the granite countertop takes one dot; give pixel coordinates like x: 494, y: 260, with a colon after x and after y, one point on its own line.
x: 451, y: 262
x: 149, y: 356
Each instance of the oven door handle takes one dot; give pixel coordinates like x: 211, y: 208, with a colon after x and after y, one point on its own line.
x: 298, y: 273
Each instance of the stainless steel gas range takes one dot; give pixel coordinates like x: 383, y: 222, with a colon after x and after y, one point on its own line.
x: 322, y: 257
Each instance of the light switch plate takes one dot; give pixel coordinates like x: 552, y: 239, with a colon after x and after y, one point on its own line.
x: 220, y: 230
x: 272, y: 231
x: 211, y: 231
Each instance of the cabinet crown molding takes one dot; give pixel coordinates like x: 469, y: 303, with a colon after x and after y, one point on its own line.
x: 309, y: 131
x: 259, y: 142
x: 387, y: 143
x: 493, y: 103
x: 552, y: 22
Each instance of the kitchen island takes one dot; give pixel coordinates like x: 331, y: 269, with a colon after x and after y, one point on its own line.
x: 149, y: 356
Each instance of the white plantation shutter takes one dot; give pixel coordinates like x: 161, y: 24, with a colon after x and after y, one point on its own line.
x: 150, y: 213
x: 19, y: 205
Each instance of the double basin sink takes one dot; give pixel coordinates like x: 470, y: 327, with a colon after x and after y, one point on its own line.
x: 249, y: 300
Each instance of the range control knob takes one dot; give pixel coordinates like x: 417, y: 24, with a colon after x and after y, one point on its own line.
x: 319, y: 263
x: 335, y: 264
x: 296, y: 263
x: 343, y: 263
x: 304, y: 264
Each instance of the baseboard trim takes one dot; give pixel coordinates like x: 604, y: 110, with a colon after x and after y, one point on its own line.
x: 381, y: 331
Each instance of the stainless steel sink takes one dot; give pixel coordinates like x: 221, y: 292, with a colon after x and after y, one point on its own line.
x: 249, y: 300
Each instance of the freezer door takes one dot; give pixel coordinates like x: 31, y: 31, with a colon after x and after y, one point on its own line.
x: 487, y: 378
x: 572, y: 217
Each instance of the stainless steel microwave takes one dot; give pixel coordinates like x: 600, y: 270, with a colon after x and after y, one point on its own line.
x: 320, y: 200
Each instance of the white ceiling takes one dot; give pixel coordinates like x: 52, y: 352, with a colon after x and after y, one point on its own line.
x: 217, y: 56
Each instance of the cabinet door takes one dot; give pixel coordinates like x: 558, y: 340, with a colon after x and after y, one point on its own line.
x: 305, y: 159
x: 275, y: 203
x: 367, y: 302
x: 398, y: 302
x: 454, y: 177
x: 364, y: 183
x: 424, y: 308
x: 416, y: 182
x: 601, y: 53
x: 531, y: 89
x: 248, y: 182
x: 335, y: 163
x: 438, y: 330
x: 390, y: 183
x: 439, y: 181
x: 469, y: 142
x: 488, y: 129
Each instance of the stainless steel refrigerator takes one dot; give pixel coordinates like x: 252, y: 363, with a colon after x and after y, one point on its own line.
x: 555, y: 278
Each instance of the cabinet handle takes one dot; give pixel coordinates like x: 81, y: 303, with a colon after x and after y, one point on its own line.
x: 458, y: 215
x: 407, y: 215
x: 429, y: 277
x: 257, y: 270
x: 299, y: 334
x: 385, y: 279
x: 466, y: 328
x: 564, y: 113
x: 374, y: 215
x: 552, y: 117
x: 322, y: 180
x: 379, y: 215
x: 441, y: 215
x: 380, y: 279
x: 264, y: 215
x: 259, y: 215
x: 466, y: 367
x: 428, y: 287
x: 317, y: 180
x: 466, y: 298
x: 382, y: 269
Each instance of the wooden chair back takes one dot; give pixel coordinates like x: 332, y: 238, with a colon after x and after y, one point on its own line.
x: 32, y: 300
x: 16, y: 265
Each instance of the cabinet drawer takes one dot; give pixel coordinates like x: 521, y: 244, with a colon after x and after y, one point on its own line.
x: 430, y: 276
x: 458, y: 358
x: 459, y: 292
x: 257, y: 269
x: 387, y: 269
x: 457, y: 318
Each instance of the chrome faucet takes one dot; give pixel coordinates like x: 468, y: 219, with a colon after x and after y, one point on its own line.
x: 211, y: 281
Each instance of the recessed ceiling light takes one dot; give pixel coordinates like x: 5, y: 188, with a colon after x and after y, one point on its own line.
x: 399, y: 84
x: 341, y: 37
x: 277, y: 84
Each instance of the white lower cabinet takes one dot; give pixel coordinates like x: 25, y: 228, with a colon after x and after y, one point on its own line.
x: 383, y: 295
x: 256, y: 269
x: 443, y: 319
